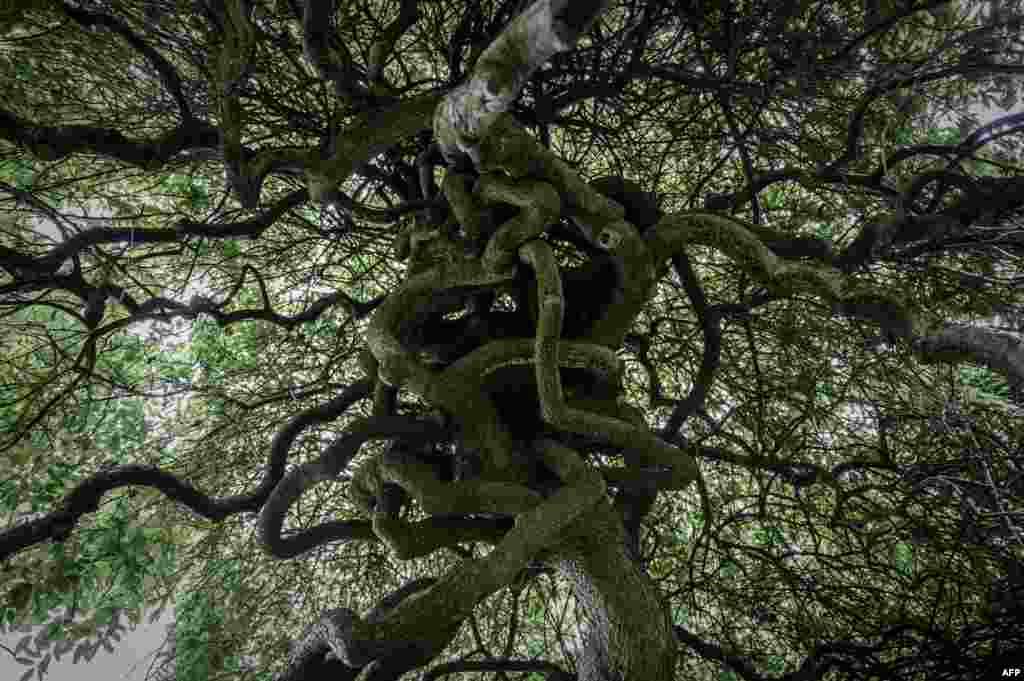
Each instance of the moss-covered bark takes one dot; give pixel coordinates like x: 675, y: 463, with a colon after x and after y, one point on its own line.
x: 513, y: 169
x: 626, y: 632
x: 494, y: 162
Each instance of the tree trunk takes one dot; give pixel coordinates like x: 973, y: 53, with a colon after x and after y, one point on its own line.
x: 626, y: 629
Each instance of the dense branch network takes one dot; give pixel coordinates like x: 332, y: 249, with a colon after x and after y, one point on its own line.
x: 500, y: 463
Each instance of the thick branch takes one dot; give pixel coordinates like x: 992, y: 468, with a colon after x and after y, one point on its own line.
x: 398, y: 635
x: 1000, y: 351
x: 86, y: 496
x: 738, y: 240
x: 455, y: 595
x: 371, y: 135
x: 642, y: 447
x: 327, y: 647
x: 52, y: 143
x: 997, y: 350
x: 465, y: 116
x: 460, y: 389
x: 334, y: 459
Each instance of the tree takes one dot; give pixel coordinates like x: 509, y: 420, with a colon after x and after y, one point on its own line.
x: 698, y: 313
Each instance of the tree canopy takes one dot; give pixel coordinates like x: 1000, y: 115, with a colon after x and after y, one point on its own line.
x: 539, y: 340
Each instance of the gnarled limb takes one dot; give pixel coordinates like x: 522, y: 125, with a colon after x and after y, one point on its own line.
x: 455, y: 595
x: 331, y: 647
x: 643, y: 449
x: 997, y: 350
x: 420, y: 295
x: 509, y: 148
x: 543, y: 29
x: 733, y: 237
x: 460, y: 389
x: 539, y: 205
x: 459, y: 497
x: 398, y: 635
x: 327, y: 467
x: 411, y: 305
x: 467, y: 208
x: 424, y: 294
x: 421, y: 480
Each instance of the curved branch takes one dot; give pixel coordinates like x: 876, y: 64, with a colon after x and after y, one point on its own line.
x: 52, y: 143
x: 641, y: 446
x: 398, y: 637
x: 465, y: 116
x: 327, y: 648
x: 408, y: 14
x: 460, y: 497
x: 997, y: 350
x: 460, y: 389
x: 327, y: 467
x: 738, y: 240
x: 168, y: 74
x: 1000, y: 351
x: 86, y: 496
x: 855, y: 128
x: 539, y: 206
x: 712, y: 331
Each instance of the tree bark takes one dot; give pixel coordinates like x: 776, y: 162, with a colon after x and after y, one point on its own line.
x: 626, y: 629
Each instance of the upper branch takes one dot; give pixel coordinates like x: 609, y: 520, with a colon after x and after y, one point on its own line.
x: 168, y: 74
x: 52, y: 143
x: 316, y: 32
x: 546, y: 27
x: 935, y: 342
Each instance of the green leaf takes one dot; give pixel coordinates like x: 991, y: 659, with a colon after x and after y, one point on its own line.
x: 105, y: 614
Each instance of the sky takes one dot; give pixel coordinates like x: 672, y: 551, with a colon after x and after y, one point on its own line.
x: 131, y: 657
x: 129, y: 661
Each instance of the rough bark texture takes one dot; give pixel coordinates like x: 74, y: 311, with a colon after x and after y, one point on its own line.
x: 493, y: 368
x: 1001, y: 351
x: 627, y: 631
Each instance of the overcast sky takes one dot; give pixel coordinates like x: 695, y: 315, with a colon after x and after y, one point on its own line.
x: 129, y: 661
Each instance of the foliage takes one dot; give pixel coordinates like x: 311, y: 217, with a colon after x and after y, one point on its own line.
x: 204, y: 204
